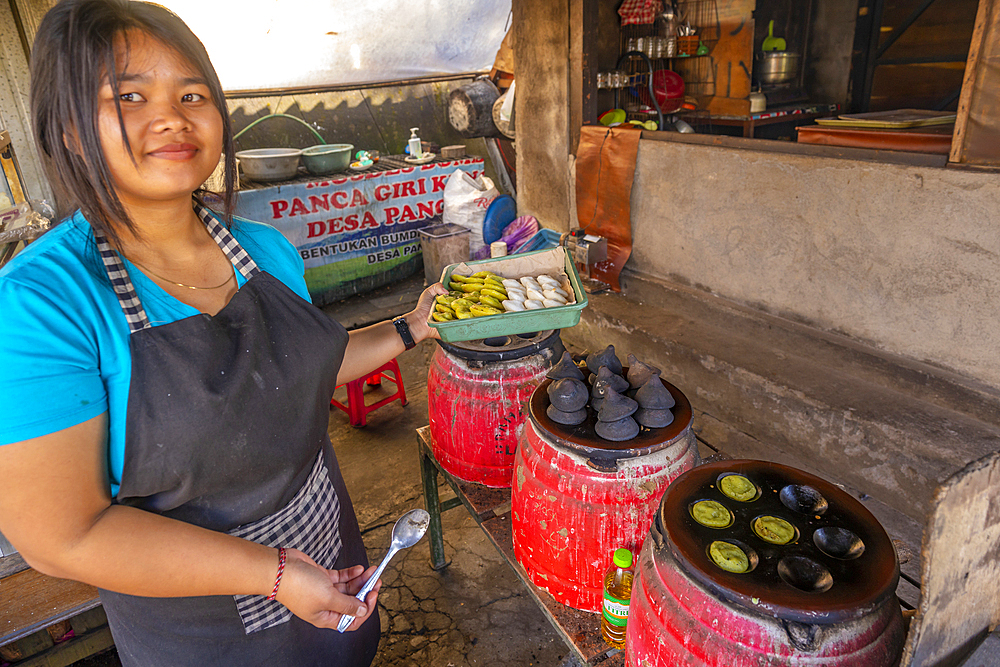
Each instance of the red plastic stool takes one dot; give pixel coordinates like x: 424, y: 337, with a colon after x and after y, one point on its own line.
x: 356, y: 408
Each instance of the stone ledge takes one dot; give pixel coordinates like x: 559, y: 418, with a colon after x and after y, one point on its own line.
x: 889, y: 427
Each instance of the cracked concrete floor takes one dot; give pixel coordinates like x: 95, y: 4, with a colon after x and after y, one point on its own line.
x: 475, y: 611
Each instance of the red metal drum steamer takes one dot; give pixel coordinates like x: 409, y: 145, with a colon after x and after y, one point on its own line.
x: 476, y: 396
x: 824, y: 599
x: 577, y: 497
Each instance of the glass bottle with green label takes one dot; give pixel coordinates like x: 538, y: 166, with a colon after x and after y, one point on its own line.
x: 617, y: 593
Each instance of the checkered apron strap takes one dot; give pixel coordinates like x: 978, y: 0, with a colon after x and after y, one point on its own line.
x: 122, y: 283
x: 236, y: 254
x: 124, y: 290
x: 310, y: 523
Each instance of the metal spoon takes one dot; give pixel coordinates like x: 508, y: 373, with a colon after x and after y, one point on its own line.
x: 406, y: 532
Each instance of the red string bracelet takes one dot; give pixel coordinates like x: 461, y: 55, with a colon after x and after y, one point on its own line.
x: 281, y: 570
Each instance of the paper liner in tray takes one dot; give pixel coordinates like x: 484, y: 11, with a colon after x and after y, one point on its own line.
x: 553, y: 261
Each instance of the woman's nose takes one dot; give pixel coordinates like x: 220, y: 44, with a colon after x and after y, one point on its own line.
x: 170, y: 116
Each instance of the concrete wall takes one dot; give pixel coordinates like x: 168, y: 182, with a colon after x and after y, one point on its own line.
x: 904, y: 258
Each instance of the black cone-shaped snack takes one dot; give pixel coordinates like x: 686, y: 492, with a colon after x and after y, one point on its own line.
x: 603, y: 381
x: 639, y: 373
x: 606, y: 375
x: 623, y: 429
x: 565, y: 369
x: 567, y: 394
x: 616, y: 407
x: 651, y: 418
x: 566, y: 418
x: 606, y: 358
x: 654, y: 396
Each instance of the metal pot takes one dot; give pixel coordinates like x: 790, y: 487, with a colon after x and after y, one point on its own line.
x: 778, y: 66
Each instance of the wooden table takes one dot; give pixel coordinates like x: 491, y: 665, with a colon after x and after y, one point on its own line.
x: 491, y: 508
x: 793, y: 115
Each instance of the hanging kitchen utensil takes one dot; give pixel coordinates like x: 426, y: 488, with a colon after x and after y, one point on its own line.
x: 772, y: 43
x: 505, y: 125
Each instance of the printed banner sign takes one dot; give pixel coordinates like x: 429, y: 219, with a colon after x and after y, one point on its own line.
x: 356, y: 232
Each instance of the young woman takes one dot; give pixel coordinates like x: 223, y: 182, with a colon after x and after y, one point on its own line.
x: 164, y: 381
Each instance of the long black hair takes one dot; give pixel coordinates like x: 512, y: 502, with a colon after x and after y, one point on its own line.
x: 73, y: 55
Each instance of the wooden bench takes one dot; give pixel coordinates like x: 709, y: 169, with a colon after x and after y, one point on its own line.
x: 37, y: 612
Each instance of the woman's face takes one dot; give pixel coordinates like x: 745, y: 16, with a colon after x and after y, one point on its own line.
x: 172, y: 124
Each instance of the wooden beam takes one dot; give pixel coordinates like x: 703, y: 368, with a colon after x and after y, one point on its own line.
x: 590, y: 66
x: 960, y: 583
x: 982, y: 49
x: 866, y: 34
x: 898, y: 31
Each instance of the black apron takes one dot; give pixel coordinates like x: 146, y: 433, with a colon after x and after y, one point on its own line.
x: 227, y: 429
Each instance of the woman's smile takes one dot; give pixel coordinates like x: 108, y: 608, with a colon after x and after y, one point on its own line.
x: 175, y: 152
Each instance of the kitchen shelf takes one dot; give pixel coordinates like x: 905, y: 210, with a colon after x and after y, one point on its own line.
x: 696, y: 70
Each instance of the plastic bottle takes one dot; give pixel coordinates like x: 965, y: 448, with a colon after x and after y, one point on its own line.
x: 617, y: 594
x: 414, y: 144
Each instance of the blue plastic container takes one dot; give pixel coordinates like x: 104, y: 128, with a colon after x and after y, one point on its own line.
x: 501, y: 212
x: 542, y: 240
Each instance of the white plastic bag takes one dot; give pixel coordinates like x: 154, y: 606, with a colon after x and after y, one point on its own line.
x: 465, y: 202
x: 507, y: 108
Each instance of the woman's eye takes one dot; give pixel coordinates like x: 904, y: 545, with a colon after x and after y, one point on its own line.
x: 193, y: 97
x: 130, y: 97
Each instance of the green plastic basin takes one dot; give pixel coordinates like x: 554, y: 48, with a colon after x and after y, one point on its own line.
x: 327, y: 158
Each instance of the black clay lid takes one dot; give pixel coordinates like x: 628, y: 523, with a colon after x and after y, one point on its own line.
x: 639, y: 372
x: 605, y: 358
x: 582, y: 438
x: 604, y: 379
x: 565, y: 368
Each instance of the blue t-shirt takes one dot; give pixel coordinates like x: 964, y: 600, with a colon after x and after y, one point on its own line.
x: 64, y: 341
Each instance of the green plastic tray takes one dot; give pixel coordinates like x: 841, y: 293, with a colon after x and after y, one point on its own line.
x: 490, y: 326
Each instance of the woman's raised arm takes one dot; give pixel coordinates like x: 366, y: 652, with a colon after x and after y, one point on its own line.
x: 372, y: 347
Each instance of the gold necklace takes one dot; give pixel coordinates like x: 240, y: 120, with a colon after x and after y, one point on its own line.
x: 174, y: 282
